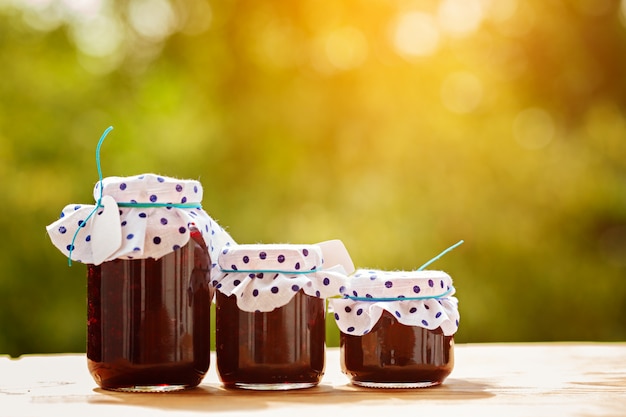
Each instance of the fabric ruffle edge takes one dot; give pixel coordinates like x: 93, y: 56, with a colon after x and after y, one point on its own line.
x: 359, y: 317
x: 146, y: 232
x: 266, y: 291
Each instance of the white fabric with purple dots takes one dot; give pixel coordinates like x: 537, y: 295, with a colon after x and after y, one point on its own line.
x: 415, y: 298
x: 150, y: 230
x: 267, y: 276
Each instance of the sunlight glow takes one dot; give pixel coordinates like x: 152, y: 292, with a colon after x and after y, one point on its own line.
x: 501, y: 10
x: 346, y: 48
x: 461, y: 92
x: 99, y: 36
x: 460, y: 17
x: 416, y: 34
x: 515, y: 18
x: 533, y: 128
x: 83, y: 8
x: 152, y: 19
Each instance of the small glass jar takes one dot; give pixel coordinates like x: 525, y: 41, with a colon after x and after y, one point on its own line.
x: 397, y: 328
x: 148, y: 321
x: 148, y: 247
x: 393, y: 355
x: 271, y: 315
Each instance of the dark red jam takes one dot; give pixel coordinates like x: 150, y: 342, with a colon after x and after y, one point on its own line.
x: 393, y: 355
x: 280, y: 349
x: 148, y: 321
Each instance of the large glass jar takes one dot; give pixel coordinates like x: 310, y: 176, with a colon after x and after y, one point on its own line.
x: 270, y: 315
x: 148, y: 321
x: 397, y: 328
x: 148, y: 245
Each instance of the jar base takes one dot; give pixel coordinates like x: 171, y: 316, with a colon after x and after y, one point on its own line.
x: 396, y: 385
x: 284, y: 386
x: 150, y: 388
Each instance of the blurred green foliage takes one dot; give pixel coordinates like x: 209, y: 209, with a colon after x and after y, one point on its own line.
x: 398, y: 126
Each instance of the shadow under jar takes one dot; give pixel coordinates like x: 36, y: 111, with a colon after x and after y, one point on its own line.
x: 148, y: 327
x: 394, y: 355
x: 277, y: 350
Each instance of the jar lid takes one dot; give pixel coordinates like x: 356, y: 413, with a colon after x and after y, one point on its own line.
x: 279, y: 258
x: 421, y: 298
x: 267, y: 276
x: 399, y: 284
x: 137, y: 217
x: 150, y: 188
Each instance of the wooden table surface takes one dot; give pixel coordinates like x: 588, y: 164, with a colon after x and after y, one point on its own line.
x: 504, y: 380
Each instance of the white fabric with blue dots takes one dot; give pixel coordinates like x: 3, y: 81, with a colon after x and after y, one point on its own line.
x: 267, y: 276
x: 414, y: 298
x: 149, y: 230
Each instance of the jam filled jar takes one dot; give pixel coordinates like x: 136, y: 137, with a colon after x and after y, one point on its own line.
x: 270, y: 315
x: 397, y: 328
x: 279, y: 349
x: 148, y: 321
x: 148, y: 247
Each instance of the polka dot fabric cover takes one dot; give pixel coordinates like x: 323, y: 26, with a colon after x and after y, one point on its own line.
x: 357, y: 317
x: 150, y: 232
x: 267, y: 276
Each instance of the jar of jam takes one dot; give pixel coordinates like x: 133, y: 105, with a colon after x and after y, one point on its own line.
x: 148, y: 247
x: 397, y: 328
x: 270, y: 315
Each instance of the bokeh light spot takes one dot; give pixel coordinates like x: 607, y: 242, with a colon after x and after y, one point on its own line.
x: 99, y: 36
x: 533, y: 128
x: 346, y: 48
x: 416, y: 34
x: 460, y: 17
x: 461, y: 92
x: 501, y: 10
x: 152, y: 19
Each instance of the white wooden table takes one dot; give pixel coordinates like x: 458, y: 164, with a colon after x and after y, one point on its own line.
x: 504, y: 380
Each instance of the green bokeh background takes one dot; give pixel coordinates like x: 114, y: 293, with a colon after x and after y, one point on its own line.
x: 399, y: 127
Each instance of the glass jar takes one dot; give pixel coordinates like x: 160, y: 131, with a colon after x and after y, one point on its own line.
x: 276, y: 350
x: 393, y: 355
x: 271, y: 315
x: 148, y: 246
x: 397, y: 328
x: 148, y: 321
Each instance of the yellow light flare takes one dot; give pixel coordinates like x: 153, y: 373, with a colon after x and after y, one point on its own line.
x: 416, y: 34
x: 461, y: 92
x: 346, y: 48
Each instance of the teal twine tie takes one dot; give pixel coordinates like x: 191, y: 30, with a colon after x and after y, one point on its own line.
x: 425, y: 297
x: 459, y: 243
x: 122, y: 204
x: 268, y: 271
x: 99, y: 202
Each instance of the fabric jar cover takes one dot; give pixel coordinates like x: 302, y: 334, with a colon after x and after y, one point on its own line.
x: 267, y: 276
x: 149, y: 230
x: 415, y: 298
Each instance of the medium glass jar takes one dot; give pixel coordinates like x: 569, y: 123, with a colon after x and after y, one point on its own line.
x: 148, y: 321
x: 397, y: 328
x: 276, y: 350
x: 271, y: 315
